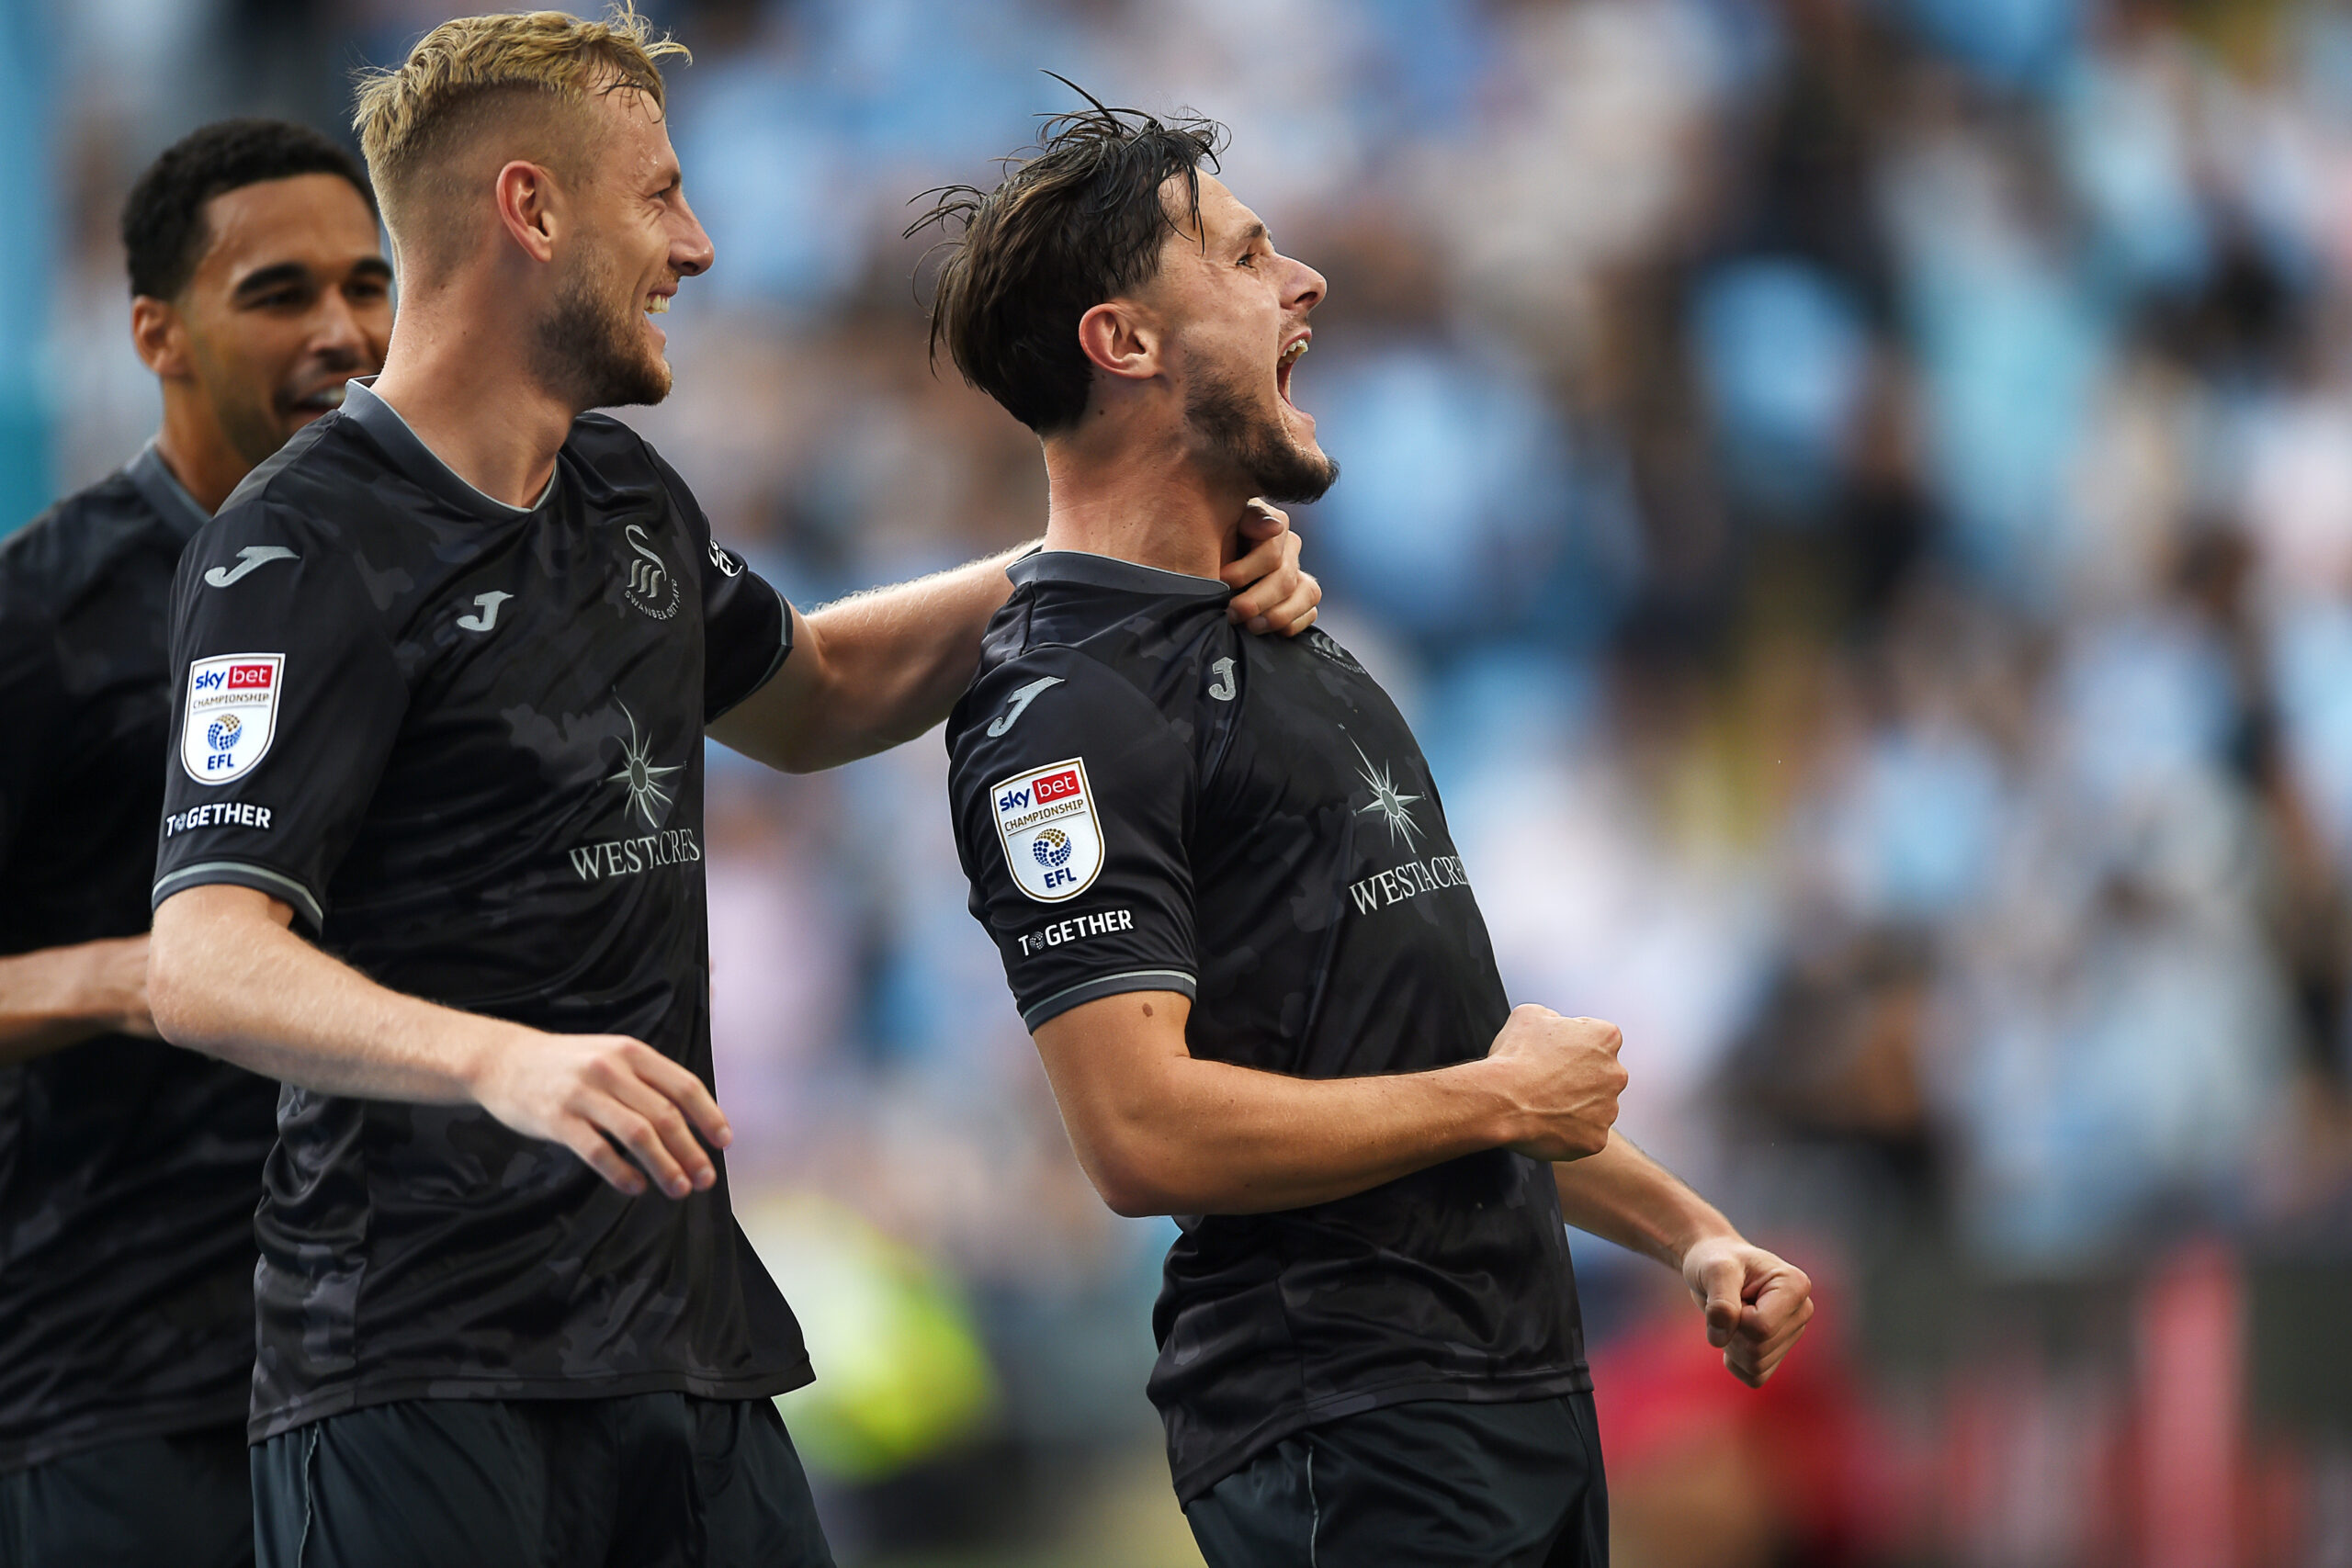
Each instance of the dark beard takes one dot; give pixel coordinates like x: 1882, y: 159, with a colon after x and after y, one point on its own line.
x: 590, y: 355
x: 1277, y: 468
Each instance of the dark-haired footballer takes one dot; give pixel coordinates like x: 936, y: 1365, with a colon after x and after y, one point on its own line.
x: 128, y: 1169
x: 1233, y: 915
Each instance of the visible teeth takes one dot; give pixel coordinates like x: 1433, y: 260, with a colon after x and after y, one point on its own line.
x: 658, y: 305
x: 1295, y: 352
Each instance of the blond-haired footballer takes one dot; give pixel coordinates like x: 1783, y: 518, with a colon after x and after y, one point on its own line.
x: 445, y: 666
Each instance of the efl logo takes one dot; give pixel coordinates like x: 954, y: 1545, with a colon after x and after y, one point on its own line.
x: 1059, y: 786
x: 231, y: 715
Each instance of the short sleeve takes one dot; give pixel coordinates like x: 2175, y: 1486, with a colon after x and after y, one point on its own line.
x: 288, y: 698
x: 746, y: 631
x: 1072, y: 798
x: 746, y: 624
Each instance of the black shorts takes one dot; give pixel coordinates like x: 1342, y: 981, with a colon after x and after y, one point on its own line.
x: 645, y: 1479
x: 1437, y: 1484
x: 177, y: 1499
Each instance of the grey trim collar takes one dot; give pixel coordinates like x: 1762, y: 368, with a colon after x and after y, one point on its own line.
x: 415, y: 458
x: 164, y: 491
x: 1110, y: 572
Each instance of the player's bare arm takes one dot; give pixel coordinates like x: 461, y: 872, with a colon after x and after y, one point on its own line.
x: 878, y: 668
x: 228, y: 977
x: 1757, y: 1305
x: 1162, y: 1131
x: 61, y: 996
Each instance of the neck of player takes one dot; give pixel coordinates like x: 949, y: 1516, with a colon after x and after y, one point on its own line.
x: 460, y: 374
x: 196, y: 448
x: 1155, y: 501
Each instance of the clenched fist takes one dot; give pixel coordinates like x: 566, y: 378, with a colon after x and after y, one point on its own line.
x: 1562, y: 1077
x: 1757, y: 1305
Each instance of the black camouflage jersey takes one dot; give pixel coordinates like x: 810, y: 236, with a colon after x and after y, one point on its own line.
x: 128, y: 1169
x: 464, y: 741
x: 1145, y: 800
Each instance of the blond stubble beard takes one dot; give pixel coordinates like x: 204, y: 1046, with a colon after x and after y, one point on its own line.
x: 591, y: 350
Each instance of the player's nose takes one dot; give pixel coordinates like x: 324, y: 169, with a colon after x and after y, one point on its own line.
x: 336, y: 334
x: 691, y: 252
x: 1306, y: 286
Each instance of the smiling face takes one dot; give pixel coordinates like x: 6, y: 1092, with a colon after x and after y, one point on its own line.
x: 631, y: 239
x: 1235, y: 312
x: 291, y: 300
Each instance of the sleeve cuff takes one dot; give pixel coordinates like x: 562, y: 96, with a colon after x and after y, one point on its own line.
x: 783, y: 652
x: 242, y: 873
x: 1061, y: 1001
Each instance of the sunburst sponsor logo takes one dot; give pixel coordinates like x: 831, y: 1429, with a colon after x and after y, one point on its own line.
x: 1392, y: 803
x: 639, y: 776
x: 1415, y: 877
x: 644, y: 794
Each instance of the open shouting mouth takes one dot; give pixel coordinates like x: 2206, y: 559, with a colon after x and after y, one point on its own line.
x: 1293, y: 352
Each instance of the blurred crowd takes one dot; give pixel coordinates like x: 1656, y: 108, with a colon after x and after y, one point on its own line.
x: 1856, y: 497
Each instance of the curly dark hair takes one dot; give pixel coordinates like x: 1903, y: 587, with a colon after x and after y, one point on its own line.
x: 163, y: 231
x: 1079, y: 222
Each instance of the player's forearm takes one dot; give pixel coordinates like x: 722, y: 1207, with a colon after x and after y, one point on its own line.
x: 61, y: 996
x: 1623, y: 1195
x: 881, y: 668
x: 227, y: 978
x: 908, y: 651
x: 1207, y: 1137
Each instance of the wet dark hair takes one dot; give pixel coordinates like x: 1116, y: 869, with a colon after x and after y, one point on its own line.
x: 1079, y: 222
x: 163, y: 231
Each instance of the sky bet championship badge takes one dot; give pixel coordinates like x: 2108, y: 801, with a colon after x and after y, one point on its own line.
x: 232, y: 713
x: 1053, y: 842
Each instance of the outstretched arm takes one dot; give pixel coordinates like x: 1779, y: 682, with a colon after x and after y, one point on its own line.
x: 872, y: 670
x: 879, y: 668
x: 1161, y: 1132
x: 228, y: 978
x: 61, y: 995
x: 1757, y: 1305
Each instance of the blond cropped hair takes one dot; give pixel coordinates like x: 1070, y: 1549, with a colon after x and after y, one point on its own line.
x: 527, y: 72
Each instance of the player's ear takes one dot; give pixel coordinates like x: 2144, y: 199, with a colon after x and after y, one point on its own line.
x: 1121, y: 339
x: 526, y: 203
x: 159, y: 333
